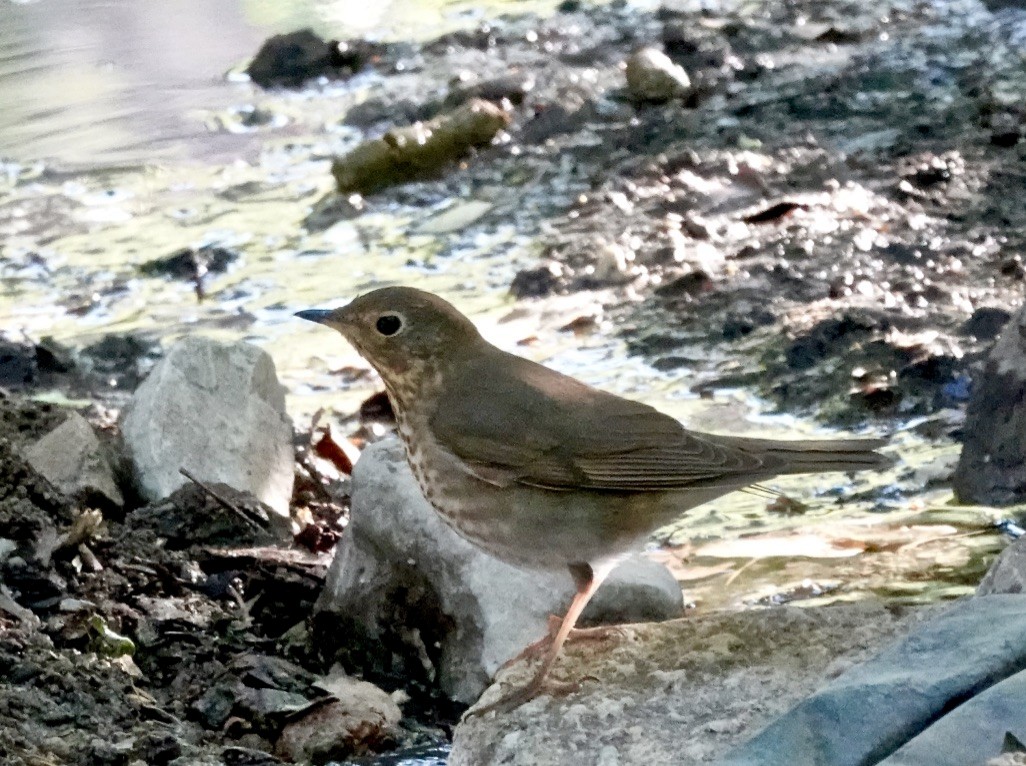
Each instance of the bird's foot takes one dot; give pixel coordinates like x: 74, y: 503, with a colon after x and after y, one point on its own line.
x: 539, y: 647
x: 512, y: 699
x: 598, y: 633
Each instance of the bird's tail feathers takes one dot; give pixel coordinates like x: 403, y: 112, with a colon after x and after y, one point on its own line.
x: 818, y: 455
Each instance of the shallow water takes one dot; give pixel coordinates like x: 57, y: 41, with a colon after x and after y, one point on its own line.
x: 98, y: 82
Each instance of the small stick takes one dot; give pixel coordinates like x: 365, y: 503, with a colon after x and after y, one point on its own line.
x: 226, y: 504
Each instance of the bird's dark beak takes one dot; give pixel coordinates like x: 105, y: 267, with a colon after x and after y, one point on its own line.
x: 321, y: 316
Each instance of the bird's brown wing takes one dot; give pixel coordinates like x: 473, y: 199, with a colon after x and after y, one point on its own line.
x: 512, y: 421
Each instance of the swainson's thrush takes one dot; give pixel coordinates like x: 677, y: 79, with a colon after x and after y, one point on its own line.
x: 537, y: 468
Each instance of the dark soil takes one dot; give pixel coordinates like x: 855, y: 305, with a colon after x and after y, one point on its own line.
x: 182, y: 631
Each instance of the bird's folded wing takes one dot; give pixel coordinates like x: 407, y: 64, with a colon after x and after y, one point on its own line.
x: 541, y: 428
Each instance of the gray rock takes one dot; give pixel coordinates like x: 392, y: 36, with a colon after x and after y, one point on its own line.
x: 872, y: 709
x: 72, y: 459
x: 676, y: 692
x: 652, y: 76
x: 360, y: 718
x: 992, y: 467
x: 1007, y: 574
x: 218, y: 411
x: 638, y: 590
x: 399, y: 563
x: 971, y: 732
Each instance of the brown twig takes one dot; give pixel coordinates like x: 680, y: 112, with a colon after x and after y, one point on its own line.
x: 226, y: 504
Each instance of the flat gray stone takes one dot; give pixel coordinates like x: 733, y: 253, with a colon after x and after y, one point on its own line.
x: 971, y: 732
x: 218, y: 411
x: 72, y: 459
x: 678, y: 692
x: 400, y: 566
x: 873, y: 709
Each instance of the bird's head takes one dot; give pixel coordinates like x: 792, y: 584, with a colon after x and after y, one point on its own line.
x: 403, y: 332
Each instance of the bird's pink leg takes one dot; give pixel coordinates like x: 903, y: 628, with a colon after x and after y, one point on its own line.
x: 587, y: 581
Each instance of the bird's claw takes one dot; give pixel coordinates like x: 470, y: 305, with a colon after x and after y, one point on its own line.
x: 511, y: 700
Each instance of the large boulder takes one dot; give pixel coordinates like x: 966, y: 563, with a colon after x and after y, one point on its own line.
x: 218, y: 411
x: 402, y: 576
x: 992, y: 467
x: 677, y: 692
x: 696, y: 690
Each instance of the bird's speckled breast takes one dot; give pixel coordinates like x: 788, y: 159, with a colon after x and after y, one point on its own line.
x: 472, y: 507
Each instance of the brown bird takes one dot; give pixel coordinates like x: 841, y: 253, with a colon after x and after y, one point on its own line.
x: 539, y: 469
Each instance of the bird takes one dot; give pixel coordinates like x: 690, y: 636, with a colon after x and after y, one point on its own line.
x: 539, y: 469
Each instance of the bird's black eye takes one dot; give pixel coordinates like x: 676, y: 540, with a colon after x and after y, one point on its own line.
x: 389, y: 324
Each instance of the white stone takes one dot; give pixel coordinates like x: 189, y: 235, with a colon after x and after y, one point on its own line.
x: 218, y: 411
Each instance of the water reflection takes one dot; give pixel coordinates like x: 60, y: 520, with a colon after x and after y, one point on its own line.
x: 107, y: 82
x: 90, y: 82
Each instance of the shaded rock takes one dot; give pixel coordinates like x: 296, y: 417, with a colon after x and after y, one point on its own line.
x: 557, y: 118
x: 419, y: 151
x: 121, y: 361
x: 157, y: 748
x: 512, y: 87
x: 974, y: 730
x: 689, y: 47
x: 1007, y: 574
x: 829, y: 337
x: 73, y: 460
x: 653, y: 77
x: 682, y: 691
x: 874, y: 708
x: 34, y: 365
x: 218, y: 411
x: 17, y: 364
x: 292, y: 59
x: 690, y: 284
x: 361, y: 718
x: 267, y: 708
x: 992, y: 466
x: 262, y: 690
x: 406, y: 579
x: 377, y: 110
x: 986, y: 323
x: 190, y: 516
x: 738, y: 325
x: 244, y: 756
x: 537, y: 282
x: 24, y: 421
x: 191, y: 263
